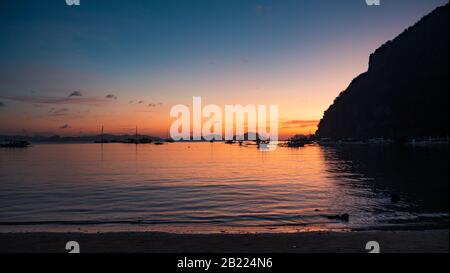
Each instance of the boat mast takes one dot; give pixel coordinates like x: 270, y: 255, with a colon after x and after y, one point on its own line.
x: 136, y: 135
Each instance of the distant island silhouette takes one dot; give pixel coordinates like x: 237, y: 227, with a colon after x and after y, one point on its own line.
x: 78, y: 139
x: 404, y: 93
x: 109, y: 138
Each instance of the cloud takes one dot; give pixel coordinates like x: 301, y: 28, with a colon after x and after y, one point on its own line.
x: 58, y: 112
x: 75, y: 94
x: 111, y: 96
x: 155, y: 104
x: 38, y: 106
x: 2, y: 104
x: 244, y: 60
x: 290, y: 124
x: 65, y: 126
x: 54, y: 100
x: 263, y: 9
x: 141, y: 101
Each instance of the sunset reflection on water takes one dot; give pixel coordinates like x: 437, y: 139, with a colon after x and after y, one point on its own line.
x: 215, y: 187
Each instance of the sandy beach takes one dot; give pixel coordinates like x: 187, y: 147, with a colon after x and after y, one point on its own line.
x: 431, y: 241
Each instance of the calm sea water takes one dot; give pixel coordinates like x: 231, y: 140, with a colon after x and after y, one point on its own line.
x: 204, y: 187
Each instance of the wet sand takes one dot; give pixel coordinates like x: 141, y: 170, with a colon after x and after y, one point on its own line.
x: 430, y: 241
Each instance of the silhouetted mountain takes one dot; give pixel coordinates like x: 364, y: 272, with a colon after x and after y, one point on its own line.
x: 404, y: 93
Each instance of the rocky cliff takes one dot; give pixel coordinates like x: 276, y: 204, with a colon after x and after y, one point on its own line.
x: 404, y: 93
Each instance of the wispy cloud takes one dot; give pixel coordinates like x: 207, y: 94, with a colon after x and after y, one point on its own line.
x: 111, y: 97
x: 2, y: 104
x: 155, y: 104
x: 65, y: 126
x: 59, y: 112
x: 263, y: 8
x: 75, y: 94
x: 244, y: 60
x: 55, y: 100
x: 292, y: 124
x: 38, y: 106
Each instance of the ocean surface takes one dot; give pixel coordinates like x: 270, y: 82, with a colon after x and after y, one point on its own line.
x: 215, y: 187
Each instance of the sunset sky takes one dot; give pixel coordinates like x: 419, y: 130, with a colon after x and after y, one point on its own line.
x: 69, y: 70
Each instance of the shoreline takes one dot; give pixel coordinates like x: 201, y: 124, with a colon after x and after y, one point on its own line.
x: 424, y: 241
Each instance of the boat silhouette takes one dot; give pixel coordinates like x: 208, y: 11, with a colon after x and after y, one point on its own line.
x: 15, y: 144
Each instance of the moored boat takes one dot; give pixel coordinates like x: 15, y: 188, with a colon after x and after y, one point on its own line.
x: 15, y: 144
x: 298, y: 141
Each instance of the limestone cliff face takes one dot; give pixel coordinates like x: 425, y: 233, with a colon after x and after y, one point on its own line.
x: 405, y: 91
